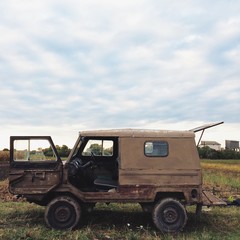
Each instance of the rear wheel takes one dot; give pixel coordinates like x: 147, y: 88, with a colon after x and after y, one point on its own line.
x: 63, y: 213
x: 169, y: 216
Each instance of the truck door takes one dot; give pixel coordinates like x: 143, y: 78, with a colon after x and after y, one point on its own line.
x: 35, y: 167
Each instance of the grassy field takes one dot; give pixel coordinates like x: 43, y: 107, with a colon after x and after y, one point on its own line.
x: 21, y: 220
x: 223, y: 176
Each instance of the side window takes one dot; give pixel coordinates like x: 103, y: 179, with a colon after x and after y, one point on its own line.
x: 156, y: 149
x: 33, y: 150
x: 98, y: 148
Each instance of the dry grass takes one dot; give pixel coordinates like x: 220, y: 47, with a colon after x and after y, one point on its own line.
x: 223, y: 176
x: 4, y: 156
x: 222, y: 166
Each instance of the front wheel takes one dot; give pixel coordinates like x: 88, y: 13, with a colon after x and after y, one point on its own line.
x: 62, y: 213
x: 169, y: 216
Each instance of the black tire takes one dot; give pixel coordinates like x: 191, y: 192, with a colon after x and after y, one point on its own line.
x: 169, y: 216
x: 62, y: 213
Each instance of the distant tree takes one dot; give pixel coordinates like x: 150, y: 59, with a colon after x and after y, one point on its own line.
x: 205, y: 152
x: 230, y: 154
x: 48, y: 152
x: 63, y: 151
x: 209, y: 153
x: 108, y: 151
x: 96, y: 149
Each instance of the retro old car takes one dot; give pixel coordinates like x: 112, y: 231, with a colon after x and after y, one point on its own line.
x: 158, y: 169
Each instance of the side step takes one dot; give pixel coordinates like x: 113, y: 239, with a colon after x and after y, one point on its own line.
x: 211, y: 200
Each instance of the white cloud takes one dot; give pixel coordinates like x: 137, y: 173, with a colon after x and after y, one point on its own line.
x: 106, y: 64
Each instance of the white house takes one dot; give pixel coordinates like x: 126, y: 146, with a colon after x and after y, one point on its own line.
x: 212, y: 144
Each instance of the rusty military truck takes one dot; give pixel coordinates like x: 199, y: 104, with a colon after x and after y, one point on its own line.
x: 158, y: 169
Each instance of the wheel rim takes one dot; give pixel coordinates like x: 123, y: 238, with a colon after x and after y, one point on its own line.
x: 62, y: 214
x: 170, y: 215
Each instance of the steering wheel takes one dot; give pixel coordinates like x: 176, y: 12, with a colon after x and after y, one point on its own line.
x: 77, y: 165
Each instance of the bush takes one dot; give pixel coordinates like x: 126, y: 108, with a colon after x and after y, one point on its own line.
x: 4, y: 156
x: 209, y: 153
x: 63, y: 151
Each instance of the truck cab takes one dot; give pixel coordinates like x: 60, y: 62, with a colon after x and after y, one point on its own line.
x: 158, y: 169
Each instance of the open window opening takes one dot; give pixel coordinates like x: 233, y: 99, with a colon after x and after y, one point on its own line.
x: 33, y: 150
x: 94, y: 167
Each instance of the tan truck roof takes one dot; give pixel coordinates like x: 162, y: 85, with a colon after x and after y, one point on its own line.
x: 138, y: 133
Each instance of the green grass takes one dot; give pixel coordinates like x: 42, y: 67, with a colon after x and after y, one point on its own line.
x: 221, y: 179
x: 25, y: 221
x: 223, y: 175
x: 116, y: 221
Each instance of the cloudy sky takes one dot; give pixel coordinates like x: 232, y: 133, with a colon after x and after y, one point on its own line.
x: 67, y: 66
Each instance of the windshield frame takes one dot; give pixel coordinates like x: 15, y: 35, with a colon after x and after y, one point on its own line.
x: 75, y: 149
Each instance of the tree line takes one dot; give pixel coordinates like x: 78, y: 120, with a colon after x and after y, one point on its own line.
x: 63, y: 151
x: 204, y: 153
x: 209, y: 153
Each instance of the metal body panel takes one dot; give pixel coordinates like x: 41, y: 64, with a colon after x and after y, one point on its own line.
x: 37, y: 181
x: 34, y: 177
x: 180, y: 168
x: 160, y: 177
x: 132, y: 193
x: 137, y: 133
x: 182, y: 154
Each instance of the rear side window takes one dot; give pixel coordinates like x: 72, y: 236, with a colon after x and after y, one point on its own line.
x: 156, y: 149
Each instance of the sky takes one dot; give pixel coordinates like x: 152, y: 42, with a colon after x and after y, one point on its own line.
x: 67, y: 66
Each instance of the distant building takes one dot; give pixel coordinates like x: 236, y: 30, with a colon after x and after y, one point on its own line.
x: 232, y: 144
x: 212, y: 144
